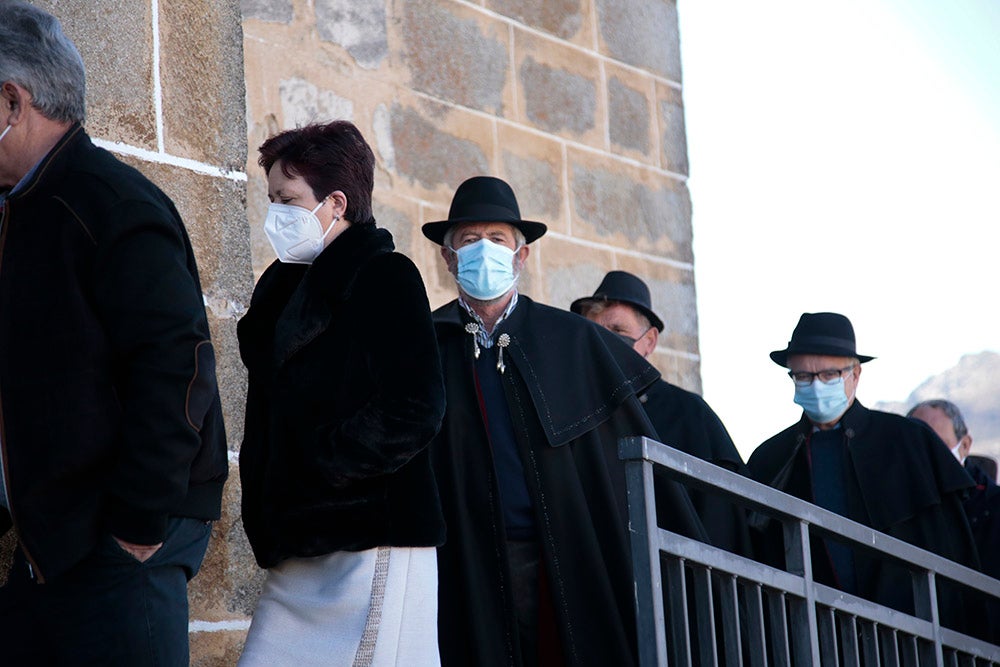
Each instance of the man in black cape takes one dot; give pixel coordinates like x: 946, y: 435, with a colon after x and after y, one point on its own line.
x: 982, y: 502
x: 879, y: 469
x: 536, y: 566
x: 682, y: 419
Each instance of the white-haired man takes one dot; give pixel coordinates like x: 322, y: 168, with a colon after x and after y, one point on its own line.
x: 113, y: 449
x: 536, y: 567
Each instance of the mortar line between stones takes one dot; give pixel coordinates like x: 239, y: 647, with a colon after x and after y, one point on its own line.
x: 157, y: 87
x: 667, y: 81
x: 680, y: 178
x: 172, y: 160
x: 657, y: 259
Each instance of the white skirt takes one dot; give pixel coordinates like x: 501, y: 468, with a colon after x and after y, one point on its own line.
x: 356, y: 609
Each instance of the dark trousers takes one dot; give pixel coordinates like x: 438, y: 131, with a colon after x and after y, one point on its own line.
x: 537, y: 632
x: 109, y: 609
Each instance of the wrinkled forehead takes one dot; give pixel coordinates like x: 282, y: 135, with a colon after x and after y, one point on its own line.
x: 817, y: 362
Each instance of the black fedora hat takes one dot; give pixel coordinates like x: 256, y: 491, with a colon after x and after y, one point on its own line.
x: 483, y: 199
x: 623, y: 287
x: 829, y: 334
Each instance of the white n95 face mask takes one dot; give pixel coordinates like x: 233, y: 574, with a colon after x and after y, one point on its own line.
x: 295, y: 233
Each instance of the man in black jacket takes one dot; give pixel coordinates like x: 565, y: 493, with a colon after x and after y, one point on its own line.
x: 536, y: 566
x: 879, y: 469
x: 982, y: 502
x: 682, y: 419
x: 111, y: 433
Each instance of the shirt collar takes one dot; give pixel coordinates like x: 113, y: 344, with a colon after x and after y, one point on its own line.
x: 484, y: 338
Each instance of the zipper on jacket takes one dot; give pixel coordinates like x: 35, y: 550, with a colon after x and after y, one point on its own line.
x: 32, y: 565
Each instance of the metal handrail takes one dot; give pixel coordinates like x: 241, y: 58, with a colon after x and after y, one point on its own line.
x: 805, y: 598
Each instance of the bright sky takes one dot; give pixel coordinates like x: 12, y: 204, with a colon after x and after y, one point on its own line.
x: 844, y: 157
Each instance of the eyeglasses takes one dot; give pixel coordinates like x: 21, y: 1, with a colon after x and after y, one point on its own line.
x: 628, y: 339
x: 826, y: 376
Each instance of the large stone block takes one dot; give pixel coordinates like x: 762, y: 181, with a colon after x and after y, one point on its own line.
x: 398, y: 216
x: 570, y: 270
x: 357, y: 25
x: 630, y: 112
x: 454, y: 53
x: 116, y: 47
x: 566, y: 19
x: 680, y: 370
x: 559, y: 89
x: 533, y: 166
x: 303, y: 103
x: 229, y: 583
x: 438, y: 147
x: 274, y: 11
x: 673, y: 133
x: 627, y: 206
x: 201, y: 69
x: 672, y: 292
x: 216, y: 649
x: 643, y: 34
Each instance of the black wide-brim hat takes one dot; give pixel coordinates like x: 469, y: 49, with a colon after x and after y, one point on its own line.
x: 484, y: 199
x: 829, y: 334
x: 623, y: 287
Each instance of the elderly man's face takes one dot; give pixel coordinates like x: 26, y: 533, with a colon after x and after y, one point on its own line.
x: 623, y: 320
x: 812, y: 368
x: 468, y: 233
x: 942, y: 425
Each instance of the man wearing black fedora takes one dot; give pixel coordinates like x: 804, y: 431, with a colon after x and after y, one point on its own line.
x: 682, y: 419
x: 536, y: 567
x: 876, y: 468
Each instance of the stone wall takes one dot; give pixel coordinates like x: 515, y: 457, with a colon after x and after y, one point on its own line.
x: 165, y: 93
x: 576, y: 103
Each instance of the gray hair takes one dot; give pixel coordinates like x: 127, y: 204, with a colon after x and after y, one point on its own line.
x: 950, y: 409
x: 37, y: 55
x: 450, y: 233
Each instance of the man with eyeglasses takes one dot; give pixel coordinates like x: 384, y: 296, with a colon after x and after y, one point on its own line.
x: 879, y: 469
x: 622, y: 304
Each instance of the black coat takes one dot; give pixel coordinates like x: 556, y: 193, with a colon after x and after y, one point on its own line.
x: 902, y: 482
x: 684, y: 420
x: 982, y: 507
x: 345, y: 392
x: 571, y: 388
x: 111, y: 420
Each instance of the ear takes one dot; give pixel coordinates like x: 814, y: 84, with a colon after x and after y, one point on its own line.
x: 522, y: 254
x: 16, y: 100
x: 338, y: 203
x: 647, y: 342
x: 450, y: 259
x: 966, y: 445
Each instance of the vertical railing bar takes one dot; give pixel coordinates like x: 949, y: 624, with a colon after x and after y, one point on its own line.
x: 826, y: 620
x: 779, y: 627
x: 798, y: 559
x: 646, y: 564
x: 705, y: 616
x: 730, y: 606
x: 869, y: 644
x: 679, y: 646
x: 925, y: 604
x: 756, y: 638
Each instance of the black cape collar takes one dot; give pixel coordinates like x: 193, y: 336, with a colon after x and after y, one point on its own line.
x: 576, y: 372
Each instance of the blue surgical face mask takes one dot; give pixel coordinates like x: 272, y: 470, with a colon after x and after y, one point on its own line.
x: 823, y: 403
x: 5, y: 131
x: 485, y: 269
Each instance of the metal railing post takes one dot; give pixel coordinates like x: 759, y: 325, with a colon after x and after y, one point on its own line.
x: 646, y: 564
